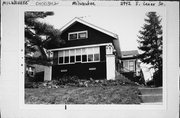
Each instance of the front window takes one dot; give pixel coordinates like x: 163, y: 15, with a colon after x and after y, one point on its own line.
x: 78, y: 35
x: 96, y: 54
x: 73, y: 36
x: 84, y: 55
x: 91, y: 54
x: 72, y: 56
x: 60, y: 57
x: 82, y: 35
x: 78, y: 55
x: 66, y: 60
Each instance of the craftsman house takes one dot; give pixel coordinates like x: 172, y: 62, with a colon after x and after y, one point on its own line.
x: 89, y: 52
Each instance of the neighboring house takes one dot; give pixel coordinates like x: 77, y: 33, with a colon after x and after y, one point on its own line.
x: 130, y: 63
x: 36, y: 72
x: 89, y: 52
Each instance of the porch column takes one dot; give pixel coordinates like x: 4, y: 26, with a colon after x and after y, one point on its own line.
x: 110, y: 67
x: 47, y: 73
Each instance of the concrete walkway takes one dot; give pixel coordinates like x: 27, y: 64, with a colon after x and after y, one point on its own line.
x: 151, y: 95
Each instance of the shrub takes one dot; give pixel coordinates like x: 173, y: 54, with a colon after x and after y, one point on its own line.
x: 67, y: 80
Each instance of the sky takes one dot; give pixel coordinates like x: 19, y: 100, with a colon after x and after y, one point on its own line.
x: 123, y: 21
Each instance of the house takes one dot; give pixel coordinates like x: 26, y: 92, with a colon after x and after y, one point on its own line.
x: 130, y: 62
x: 89, y: 52
x: 35, y: 68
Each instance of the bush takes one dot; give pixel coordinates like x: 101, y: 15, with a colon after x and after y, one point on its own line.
x: 31, y: 85
x: 76, y: 82
x: 68, y: 80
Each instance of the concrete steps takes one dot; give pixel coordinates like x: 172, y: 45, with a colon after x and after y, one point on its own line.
x: 151, y: 95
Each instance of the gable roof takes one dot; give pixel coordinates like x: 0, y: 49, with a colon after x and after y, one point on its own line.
x: 87, y: 24
x: 115, y: 36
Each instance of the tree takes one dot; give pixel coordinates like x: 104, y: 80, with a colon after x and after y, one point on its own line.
x: 150, y: 43
x: 39, y: 36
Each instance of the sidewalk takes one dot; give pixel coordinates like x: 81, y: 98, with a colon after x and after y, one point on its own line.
x: 151, y: 95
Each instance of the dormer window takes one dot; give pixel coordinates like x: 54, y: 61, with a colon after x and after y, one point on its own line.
x: 78, y: 35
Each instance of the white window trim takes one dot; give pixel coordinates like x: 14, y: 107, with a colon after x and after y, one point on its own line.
x: 80, y: 55
x: 77, y: 34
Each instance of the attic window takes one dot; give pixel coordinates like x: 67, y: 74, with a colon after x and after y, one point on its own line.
x: 78, y: 35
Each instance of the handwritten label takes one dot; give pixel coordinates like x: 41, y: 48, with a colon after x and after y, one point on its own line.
x: 141, y: 3
x: 48, y: 3
x: 81, y: 3
x: 15, y: 2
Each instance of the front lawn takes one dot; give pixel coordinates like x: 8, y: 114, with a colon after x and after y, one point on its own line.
x: 83, y: 95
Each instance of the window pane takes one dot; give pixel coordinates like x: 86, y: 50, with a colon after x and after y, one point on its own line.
x: 73, y: 36
x: 96, y: 50
x: 78, y: 51
x: 96, y: 57
x: 60, y: 60
x: 60, y: 53
x: 66, y: 53
x: 125, y: 64
x: 82, y: 35
x: 84, y: 51
x: 78, y: 58
x: 84, y: 58
x: 72, y: 52
x: 131, y: 68
x: 90, y: 57
x: 72, y: 58
x: 90, y: 50
x: 131, y: 63
x: 66, y: 60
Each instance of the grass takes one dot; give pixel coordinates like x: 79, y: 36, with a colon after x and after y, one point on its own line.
x: 83, y: 95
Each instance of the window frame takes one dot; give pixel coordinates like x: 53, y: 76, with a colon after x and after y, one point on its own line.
x: 93, y: 52
x: 77, y: 33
